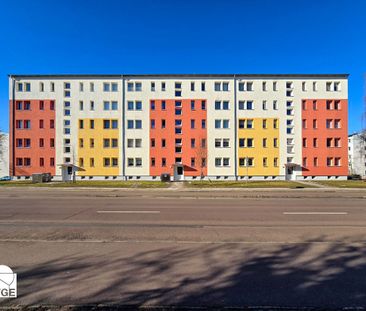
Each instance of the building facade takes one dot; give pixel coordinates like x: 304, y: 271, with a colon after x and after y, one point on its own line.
x: 221, y: 127
x: 4, y: 154
x: 357, y: 154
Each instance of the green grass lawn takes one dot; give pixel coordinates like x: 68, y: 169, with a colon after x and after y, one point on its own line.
x: 94, y: 184
x: 343, y: 183
x: 244, y: 184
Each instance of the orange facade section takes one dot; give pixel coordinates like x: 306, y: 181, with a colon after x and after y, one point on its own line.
x: 325, y: 141
x: 178, y: 135
x: 32, y: 137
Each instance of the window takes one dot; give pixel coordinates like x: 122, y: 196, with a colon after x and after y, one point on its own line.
x: 41, y: 105
x: 41, y: 86
x: 106, y: 124
x: 114, y: 105
x: 226, y: 161
x: 138, y: 124
x: 329, y: 161
x: 249, y: 86
x: 193, y: 142
x: 329, y: 123
x: 114, y: 124
x: 304, y: 143
x: 217, y: 143
x: 304, y: 123
x: 106, y: 143
x: 337, y: 142
x: 203, y: 123
x: 249, y: 124
x: 106, y: 161
x: 152, y: 123
x: 106, y: 87
x: 192, y: 86
x: 264, y: 123
x: 163, y: 86
x: 315, y: 161
x: 203, y: 105
x: 337, y: 86
x: 130, y: 162
x: 225, y: 86
x: 315, y: 105
x: 163, y: 143
x: 27, y: 162
x: 217, y: 123
x: 152, y: 142
x: 130, y: 87
x: 203, y: 143
x: 275, y: 142
x: 27, y: 87
x: 337, y: 162
x: 163, y: 124
x: 315, y: 142
x: 226, y: 142
x: 163, y: 105
x: 225, y: 124
x: 275, y: 123
x: 163, y: 162
x: 91, y: 86
x: 241, y: 124
x: 20, y: 87
x: 152, y: 161
x: 304, y: 162
x: 81, y: 87
x: 337, y: 105
x: 41, y: 124
x: 217, y: 105
x: 152, y: 87
x: 152, y: 105
x: 264, y: 161
x: 264, y: 105
x: 203, y: 86
x: 264, y: 86
x: 274, y: 86
x: 241, y: 142
x: 19, y: 106
x: 250, y: 142
x: 106, y: 106
x: 52, y: 124
x: 328, y: 86
x: 192, y: 105
x: 275, y: 105
x: 192, y: 124
x: 304, y: 86
x: 114, y: 142
x: 337, y: 124
x: 241, y: 86
x: 138, y: 86
x: 27, y: 105
x: 315, y: 87
x: 178, y: 85
x: 329, y: 142
x: 275, y: 162
x: 264, y: 142
x: 218, y: 161
x: 114, y: 87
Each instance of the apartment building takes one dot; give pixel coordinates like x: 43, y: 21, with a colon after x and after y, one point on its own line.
x: 191, y: 126
x: 357, y: 154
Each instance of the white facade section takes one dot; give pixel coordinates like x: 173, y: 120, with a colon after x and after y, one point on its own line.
x: 357, y: 154
x: 4, y: 154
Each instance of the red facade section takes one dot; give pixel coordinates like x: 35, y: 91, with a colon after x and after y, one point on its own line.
x: 32, y: 137
x: 178, y: 134
x: 325, y: 139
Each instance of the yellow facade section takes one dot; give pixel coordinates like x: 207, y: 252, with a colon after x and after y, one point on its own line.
x: 258, y: 149
x: 99, y: 147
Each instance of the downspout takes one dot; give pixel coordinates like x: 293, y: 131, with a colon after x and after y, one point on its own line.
x: 123, y: 128
x: 235, y: 133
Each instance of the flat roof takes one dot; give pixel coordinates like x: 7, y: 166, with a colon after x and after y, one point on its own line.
x: 185, y: 75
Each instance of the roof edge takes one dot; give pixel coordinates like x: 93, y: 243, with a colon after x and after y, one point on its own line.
x: 296, y: 75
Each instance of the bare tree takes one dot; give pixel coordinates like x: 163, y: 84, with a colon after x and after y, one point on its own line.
x: 2, y: 144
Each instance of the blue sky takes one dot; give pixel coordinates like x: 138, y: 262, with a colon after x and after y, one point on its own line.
x: 190, y: 36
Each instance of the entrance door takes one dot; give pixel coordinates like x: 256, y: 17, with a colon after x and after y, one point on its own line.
x: 290, y: 173
x: 66, y: 173
x: 178, y: 173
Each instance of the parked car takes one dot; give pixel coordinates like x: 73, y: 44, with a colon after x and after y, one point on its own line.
x: 5, y: 178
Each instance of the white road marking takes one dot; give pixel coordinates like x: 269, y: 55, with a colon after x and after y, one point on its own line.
x: 128, y: 212
x: 315, y: 213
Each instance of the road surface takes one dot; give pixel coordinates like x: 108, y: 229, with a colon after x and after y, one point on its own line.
x: 232, y: 248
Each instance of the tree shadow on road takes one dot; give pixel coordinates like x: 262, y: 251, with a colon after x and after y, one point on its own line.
x: 313, y: 274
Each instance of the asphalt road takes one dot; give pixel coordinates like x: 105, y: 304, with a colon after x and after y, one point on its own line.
x: 288, y: 248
